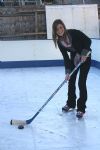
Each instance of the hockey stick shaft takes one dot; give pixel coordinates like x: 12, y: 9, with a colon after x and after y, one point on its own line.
x: 25, y: 122
x: 30, y: 120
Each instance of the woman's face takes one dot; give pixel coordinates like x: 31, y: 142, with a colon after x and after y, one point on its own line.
x: 60, y: 30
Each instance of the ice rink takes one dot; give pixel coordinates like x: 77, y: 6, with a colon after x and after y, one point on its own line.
x: 24, y: 90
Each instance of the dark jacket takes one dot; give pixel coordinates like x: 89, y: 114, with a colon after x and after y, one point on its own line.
x: 80, y: 42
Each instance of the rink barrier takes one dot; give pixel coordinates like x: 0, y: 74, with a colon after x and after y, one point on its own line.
x: 38, y: 53
x: 41, y: 63
x: 95, y: 64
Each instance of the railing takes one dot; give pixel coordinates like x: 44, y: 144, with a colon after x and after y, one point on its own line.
x: 42, y: 2
x: 20, y: 2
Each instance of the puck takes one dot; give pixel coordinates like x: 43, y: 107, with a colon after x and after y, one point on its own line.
x: 20, y: 127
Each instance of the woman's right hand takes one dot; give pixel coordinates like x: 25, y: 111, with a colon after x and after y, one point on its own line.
x: 67, y: 77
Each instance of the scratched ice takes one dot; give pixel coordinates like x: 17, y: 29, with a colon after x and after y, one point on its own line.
x: 24, y: 90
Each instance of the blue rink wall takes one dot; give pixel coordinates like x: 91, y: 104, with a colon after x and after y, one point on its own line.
x: 37, y: 53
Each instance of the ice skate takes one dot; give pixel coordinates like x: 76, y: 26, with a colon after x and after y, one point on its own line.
x: 66, y: 108
x: 79, y: 114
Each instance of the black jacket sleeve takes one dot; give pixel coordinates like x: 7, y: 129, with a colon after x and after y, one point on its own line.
x: 67, y: 61
x: 86, y: 43
x: 86, y: 40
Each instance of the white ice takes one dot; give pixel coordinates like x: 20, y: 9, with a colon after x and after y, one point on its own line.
x: 24, y: 90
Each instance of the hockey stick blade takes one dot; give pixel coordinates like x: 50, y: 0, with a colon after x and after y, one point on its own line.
x: 18, y: 122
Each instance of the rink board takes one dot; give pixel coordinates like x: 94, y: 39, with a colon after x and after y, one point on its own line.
x: 37, y: 53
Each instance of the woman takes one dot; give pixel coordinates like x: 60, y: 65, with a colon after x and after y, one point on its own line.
x: 78, y: 45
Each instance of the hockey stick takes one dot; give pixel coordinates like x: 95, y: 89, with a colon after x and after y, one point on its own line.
x: 26, y: 122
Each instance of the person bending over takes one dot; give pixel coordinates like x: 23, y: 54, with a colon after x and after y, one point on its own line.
x: 74, y: 46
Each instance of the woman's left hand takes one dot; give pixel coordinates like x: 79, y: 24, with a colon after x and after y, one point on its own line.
x: 83, y: 58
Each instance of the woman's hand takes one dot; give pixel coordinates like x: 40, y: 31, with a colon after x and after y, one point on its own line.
x: 67, y: 77
x: 83, y: 58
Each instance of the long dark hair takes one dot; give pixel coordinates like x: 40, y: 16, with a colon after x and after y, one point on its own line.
x: 54, y: 29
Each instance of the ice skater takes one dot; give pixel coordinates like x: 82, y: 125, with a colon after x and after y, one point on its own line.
x: 74, y: 46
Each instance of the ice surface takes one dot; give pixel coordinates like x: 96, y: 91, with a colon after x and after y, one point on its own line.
x: 24, y: 90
